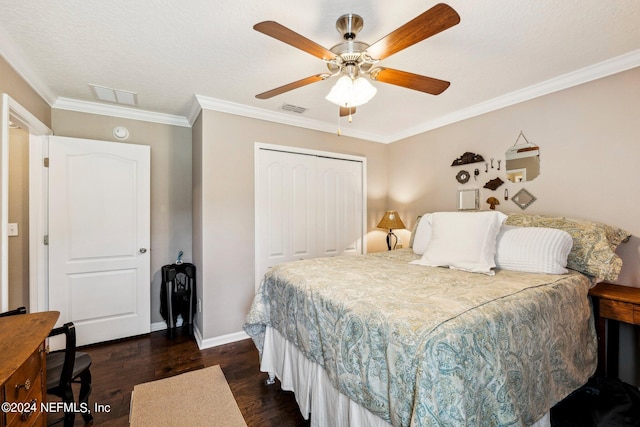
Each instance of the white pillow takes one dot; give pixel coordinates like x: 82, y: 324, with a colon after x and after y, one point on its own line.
x: 533, y: 249
x: 463, y: 241
x: 422, y: 234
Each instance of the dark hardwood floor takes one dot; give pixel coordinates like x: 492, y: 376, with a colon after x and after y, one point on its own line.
x: 119, y: 365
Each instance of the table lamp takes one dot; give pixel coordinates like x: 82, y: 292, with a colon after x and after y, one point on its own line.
x: 391, y: 220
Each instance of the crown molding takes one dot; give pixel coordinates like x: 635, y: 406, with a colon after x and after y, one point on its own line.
x: 207, y: 103
x: 16, y: 59
x: 119, y: 111
x: 194, y: 110
x: 584, y: 75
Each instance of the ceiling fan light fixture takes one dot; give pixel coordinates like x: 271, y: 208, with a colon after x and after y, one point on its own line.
x: 348, y: 92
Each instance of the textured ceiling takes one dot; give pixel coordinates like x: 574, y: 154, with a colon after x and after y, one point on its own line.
x: 168, y: 51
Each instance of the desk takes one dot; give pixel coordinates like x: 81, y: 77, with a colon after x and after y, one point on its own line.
x: 23, y: 365
x: 613, y: 304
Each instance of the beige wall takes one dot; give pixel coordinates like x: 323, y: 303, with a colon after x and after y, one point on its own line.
x: 226, y: 200
x: 589, y: 138
x: 197, y: 212
x: 18, y: 268
x: 18, y: 89
x: 15, y: 86
x: 170, y: 182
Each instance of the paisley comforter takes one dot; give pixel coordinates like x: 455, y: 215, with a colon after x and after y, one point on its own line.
x: 425, y: 346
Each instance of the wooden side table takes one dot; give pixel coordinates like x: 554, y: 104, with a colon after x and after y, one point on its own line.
x: 613, y: 304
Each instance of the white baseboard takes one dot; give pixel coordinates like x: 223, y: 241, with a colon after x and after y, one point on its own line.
x: 161, y: 326
x: 202, y: 342
x: 216, y: 341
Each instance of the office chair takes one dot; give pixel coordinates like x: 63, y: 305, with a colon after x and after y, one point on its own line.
x: 64, y: 368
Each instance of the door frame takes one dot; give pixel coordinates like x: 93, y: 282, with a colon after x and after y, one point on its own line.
x: 296, y: 150
x: 13, y: 111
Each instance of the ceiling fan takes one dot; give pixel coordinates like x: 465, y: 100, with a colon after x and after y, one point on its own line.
x: 354, y: 59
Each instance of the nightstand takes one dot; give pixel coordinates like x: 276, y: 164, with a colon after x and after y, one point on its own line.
x: 613, y: 304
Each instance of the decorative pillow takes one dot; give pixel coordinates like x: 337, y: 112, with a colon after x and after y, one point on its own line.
x: 463, y: 241
x: 533, y: 249
x: 422, y: 234
x: 594, y: 244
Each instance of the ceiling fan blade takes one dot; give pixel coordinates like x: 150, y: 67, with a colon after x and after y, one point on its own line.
x: 347, y: 111
x: 409, y: 80
x: 282, y: 33
x: 294, y: 85
x: 437, y: 19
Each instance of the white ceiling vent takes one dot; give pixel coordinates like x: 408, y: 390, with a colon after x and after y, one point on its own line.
x: 294, y: 108
x: 115, y: 95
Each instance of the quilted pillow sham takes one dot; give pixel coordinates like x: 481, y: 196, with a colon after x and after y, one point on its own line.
x: 413, y: 231
x: 533, y: 249
x: 594, y: 244
x: 422, y: 234
x: 463, y: 241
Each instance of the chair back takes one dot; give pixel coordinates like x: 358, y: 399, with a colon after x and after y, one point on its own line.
x: 19, y: 310
x: 69, y: 331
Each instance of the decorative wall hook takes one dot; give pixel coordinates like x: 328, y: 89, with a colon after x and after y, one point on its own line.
x: 499, y: 164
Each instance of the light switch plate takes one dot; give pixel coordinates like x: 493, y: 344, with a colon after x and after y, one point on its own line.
x: 12, y: 229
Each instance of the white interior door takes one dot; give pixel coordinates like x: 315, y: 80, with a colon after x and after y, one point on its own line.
x: 286, y: 202
x: 99, y: 235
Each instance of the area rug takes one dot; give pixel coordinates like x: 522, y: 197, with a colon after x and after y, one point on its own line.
x: 196, y: 398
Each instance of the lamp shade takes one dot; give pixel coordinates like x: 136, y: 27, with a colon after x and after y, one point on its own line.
x: 351, y: 93
x: 391, y: 221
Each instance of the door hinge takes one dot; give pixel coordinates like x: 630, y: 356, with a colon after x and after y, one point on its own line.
x: 45, y: 240
x: 45, y: 161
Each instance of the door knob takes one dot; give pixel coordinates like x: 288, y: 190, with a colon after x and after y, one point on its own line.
x: 143, y: 250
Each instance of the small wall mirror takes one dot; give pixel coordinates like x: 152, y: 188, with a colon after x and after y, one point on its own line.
x: 522, y: 161
x: 468, y: 200
x: 523, y: 199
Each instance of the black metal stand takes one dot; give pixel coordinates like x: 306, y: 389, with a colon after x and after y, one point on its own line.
x: 178, y: 295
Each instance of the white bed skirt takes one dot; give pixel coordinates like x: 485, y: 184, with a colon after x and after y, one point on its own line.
x: 315, y: 394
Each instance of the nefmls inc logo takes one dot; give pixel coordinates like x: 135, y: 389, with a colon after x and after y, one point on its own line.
x: 80, y: 408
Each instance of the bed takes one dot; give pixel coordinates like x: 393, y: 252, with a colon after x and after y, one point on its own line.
x: 385, y: 339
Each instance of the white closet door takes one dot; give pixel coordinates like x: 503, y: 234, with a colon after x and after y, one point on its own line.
x: 307, y: 206
x: 286, y: 208
x: 339, y: 194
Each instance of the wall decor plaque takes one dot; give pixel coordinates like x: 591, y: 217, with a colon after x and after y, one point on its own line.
x: 493, y: 184
x: 463, y: 177
x: 467, y: 158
